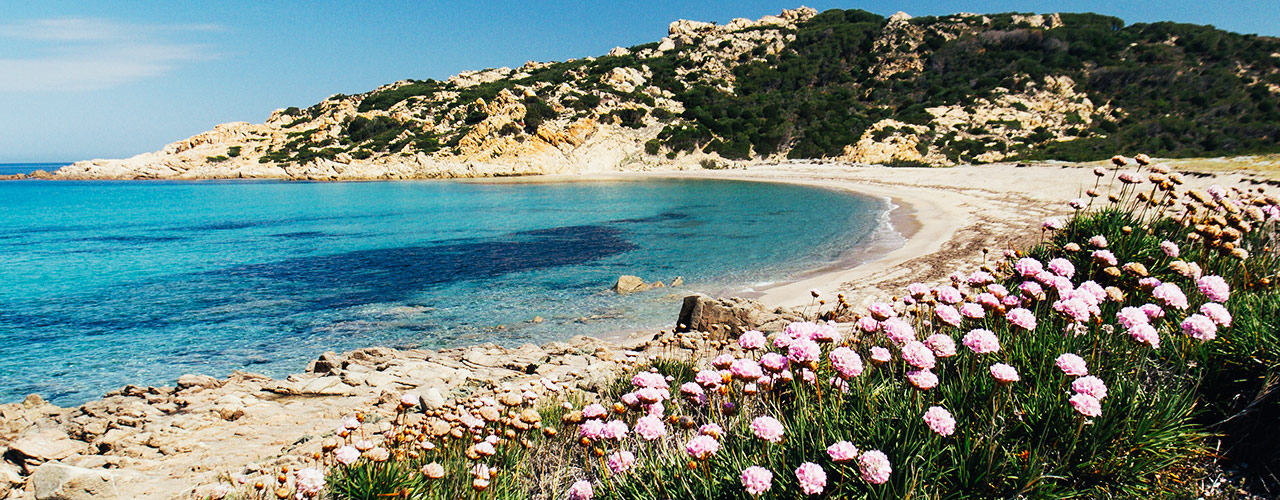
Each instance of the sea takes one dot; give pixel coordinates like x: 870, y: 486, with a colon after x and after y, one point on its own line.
x: 108, y: 283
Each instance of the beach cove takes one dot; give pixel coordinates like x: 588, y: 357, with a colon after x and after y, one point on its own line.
x: 155, y: 441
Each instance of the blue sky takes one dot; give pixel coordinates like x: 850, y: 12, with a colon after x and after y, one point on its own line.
x: 87, y: 79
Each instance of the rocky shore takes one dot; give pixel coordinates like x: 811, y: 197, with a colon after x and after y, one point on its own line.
x: 180, y: 441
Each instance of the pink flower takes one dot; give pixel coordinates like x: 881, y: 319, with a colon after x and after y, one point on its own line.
x: 782, y: 340
x: 1153, y: 311
x: 1105, y: 257
x: 1214, y: 287
x: 309, y: 482
x: 812, y: 478
x: 767, y: 428
x: 1004, y: 374
x: 981, y: 341
x: 1021, y: 318
x: 1200, y: 327
x: 615, y: 429
x: 751, y: 340
x: 722, y: 361
x: 922, y: 379
x: 746, y: 369
x: 949, y: 295
x: 916, y: 354
x: 842, y: 452
x: 774, y: 362
x: 1130, y: 316
x: 1146, y: 334
x: 1053, y: 223
x: 898, y: 331
x: 581, y: 490
x: 881, y: 311
x: 591, y: 429
x: 1062, y: 267
x: 650, y: 427
x: 942, y: 345
x: 804, y: 351
x: 1170, y: 295
x: 1169, y: 248
x: 880, y: 354
x: 1028, y: 267
x: 702, y: 447
x: 1217, y: 313
x: 1031, y: 289
x: 979, y: 278
x: 988, y: 300
x: 1148, y: 283
x: 1078, y: 203
x: 621, y: 462
x: 1072, y: 365
x: 947, y: 314
x: 650, y: 379
x: 1086, y: 405
x: 972, y: 311
x: 940, y: 421
x: 691, y: 389
x: 998, y: 290
x: 868, y: 324
x: 706, y: 378
x: 845, y: 362
x: 875, y: 467
x: 1075, y: 309
x: 756, y: 480
x: 1099, y: 241
x: 917, y: 289
x: 594, y: 410
x: 650, y: 395
x: 1011, y: 301
x: 346, y: 455
x: 1090, y: 385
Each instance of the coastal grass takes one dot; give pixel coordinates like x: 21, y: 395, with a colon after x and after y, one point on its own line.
x: 1148, y: 420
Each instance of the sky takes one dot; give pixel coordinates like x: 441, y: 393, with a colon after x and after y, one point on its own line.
x: 89, y: 79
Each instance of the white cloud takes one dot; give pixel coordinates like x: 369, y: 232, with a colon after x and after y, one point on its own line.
x: 73, y: 54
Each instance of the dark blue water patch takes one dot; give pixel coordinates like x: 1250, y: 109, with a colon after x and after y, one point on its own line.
x: 133, y: 239
x: 292, y: 288
x: 302, y: 235
x: 662, y: 217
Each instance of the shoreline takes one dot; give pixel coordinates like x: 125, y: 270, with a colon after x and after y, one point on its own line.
x: 153, y: 442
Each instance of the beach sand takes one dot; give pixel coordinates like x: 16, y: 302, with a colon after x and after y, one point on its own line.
x: 947, y: 216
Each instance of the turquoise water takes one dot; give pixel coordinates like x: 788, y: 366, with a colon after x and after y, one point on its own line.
x: 112, y: 283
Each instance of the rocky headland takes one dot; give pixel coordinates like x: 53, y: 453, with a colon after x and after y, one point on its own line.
x: 848, y: 86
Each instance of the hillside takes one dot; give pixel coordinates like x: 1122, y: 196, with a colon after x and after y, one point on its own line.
x: 847, y: 85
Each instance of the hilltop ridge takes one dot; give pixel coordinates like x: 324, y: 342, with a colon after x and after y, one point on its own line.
x: 847, y: 85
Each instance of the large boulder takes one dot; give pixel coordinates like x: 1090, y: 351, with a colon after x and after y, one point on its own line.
x: 702, y: 313
x: 56, y: 481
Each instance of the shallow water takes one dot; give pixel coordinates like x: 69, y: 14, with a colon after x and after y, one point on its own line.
x: 110, y: 283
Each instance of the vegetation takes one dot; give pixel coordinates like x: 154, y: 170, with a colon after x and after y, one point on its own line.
x: 1096, y: 364
x: 1171, y: 89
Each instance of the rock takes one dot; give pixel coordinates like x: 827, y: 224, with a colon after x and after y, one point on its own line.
x: 201, y: 381
x: 702, y: 313
x: 629, y: 284
x: 32, y: 401
x: 678, y: 281
x: 55, y: 481
x: 432, y: 399
x: 46, y: 445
